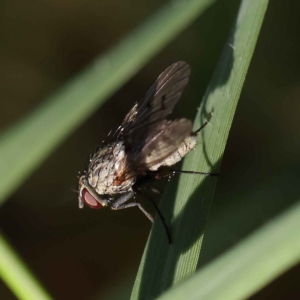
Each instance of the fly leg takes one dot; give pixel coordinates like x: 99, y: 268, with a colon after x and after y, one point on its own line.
x: 168, y: 172
x: 195, y: 173
x: 204, y: 124
x: 149, y: 198
x: 120, y: 203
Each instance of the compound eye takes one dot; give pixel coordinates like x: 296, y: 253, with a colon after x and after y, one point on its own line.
x: 89, y: 200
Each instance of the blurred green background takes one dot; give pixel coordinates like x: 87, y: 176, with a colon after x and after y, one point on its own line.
x: 87, y: 254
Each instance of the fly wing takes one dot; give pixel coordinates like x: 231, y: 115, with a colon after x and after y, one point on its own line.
x: 157, y: 104
x: 164, y: 140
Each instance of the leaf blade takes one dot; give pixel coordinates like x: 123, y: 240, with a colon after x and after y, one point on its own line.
x: 163, y: 266
x: 250, y: 265
x: 17, y: 276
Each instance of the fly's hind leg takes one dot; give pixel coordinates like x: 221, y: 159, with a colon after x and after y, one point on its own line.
x: 204, y: 124
x: 194, y: 173
x: 168, y: 172
x: 120, y: 203
x: 163, y: 220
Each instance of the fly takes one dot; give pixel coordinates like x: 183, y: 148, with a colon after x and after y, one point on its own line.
x: 143, y: 148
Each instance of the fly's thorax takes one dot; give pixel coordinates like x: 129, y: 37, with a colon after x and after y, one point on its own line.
x: 107, y: 170
x: 184, y: 148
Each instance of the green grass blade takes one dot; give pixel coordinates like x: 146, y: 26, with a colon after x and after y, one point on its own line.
x: 162, y: 265
x: 250, y: 265
x: 16, y: 275
x: 29, y: 142
x: 230, y: 224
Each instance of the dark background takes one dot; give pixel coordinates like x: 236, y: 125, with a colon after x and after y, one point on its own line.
x: 87, y: 254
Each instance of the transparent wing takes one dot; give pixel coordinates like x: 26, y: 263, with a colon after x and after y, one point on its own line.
x: 159, y: 144
x: 157, y: 104
x: 148, y: 137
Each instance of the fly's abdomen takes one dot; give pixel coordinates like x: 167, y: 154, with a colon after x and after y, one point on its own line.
x: 184, y: 148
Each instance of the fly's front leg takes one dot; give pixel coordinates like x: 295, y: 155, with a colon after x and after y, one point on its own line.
x: 120, y: 203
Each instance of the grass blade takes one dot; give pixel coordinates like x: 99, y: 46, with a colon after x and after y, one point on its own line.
x: 31, y: 140
x: 16, y: 275
x: 162, y: 265
x: 249, y: 266
x: 230, y: 224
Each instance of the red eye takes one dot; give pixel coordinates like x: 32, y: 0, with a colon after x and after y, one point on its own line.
x: 89, y: 200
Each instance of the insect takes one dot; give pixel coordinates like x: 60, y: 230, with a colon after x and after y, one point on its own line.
x: 143, y: 148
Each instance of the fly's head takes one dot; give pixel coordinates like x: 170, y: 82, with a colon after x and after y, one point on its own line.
x: 88, y: 196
